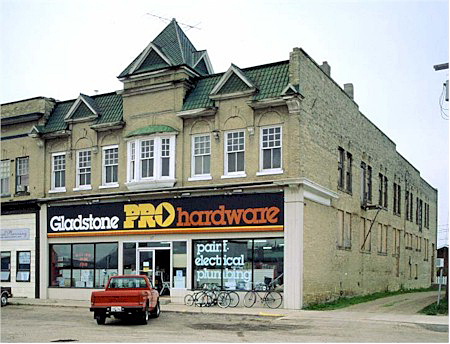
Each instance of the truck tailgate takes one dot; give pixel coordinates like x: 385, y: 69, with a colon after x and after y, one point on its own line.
x: 118, y: 298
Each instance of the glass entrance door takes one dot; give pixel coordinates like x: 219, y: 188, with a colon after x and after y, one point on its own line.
x: 146, y: 264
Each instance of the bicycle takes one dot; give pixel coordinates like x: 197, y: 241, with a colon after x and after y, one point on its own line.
x: 208, y: 297
x: 273, y: 299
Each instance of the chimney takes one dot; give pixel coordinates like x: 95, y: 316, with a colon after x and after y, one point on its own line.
x: 326, y: 68
x: 294, y: 66
x: 348, y: 88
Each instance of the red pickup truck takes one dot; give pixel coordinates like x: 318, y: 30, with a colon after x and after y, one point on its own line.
x: 126, y: 296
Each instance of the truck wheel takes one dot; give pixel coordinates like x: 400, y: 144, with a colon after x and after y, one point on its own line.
x: 101, y: 319
x: 156, y: 311
x: 145, y: 316
x: 4, y: 299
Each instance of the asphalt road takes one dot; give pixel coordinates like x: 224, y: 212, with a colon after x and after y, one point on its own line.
x: 20, y: 323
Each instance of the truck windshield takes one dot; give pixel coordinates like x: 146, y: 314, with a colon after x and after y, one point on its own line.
x: 127, y: 282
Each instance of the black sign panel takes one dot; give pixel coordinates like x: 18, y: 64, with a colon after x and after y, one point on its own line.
x: 234, y: 211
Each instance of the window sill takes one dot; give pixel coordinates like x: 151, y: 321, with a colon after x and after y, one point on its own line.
x: 198, y: 178
x: 6, y: 196
x: 269, y: 172
x: 83, y: 188
x: 150, y: 184
x: 18, y: 194
x: 57, y: 190
x: 109, y: 186
x: 344, y: 248
x: 229, y: 176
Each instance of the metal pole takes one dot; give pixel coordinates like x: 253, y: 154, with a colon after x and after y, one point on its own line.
x: 440, y: 284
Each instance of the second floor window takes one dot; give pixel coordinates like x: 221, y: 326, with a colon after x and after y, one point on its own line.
x: 348, y: 176
x: 201, y: 155
x: 22, y: 176
x: 4, y: 177
x: 270, y: 158
x: 84, y: 169
x: 151, y: 158
x: 235, y: 153
x: 341, y: 159
x: 110, y: 166
x: 58, y: 171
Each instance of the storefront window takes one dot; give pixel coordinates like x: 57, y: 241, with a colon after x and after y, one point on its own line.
x: 268, y: 261
x: 129, y: 258
x: 207, y: 263
x: 60, y: 265
x: 237, y: 264
x: 106, y: 263
x: 6, y: 267
x: 23, y: 266
x: 82, y: 265
x: 237, y: 261
x: 179, y: 260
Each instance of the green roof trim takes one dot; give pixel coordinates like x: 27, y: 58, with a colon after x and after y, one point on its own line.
x: 151, y: 129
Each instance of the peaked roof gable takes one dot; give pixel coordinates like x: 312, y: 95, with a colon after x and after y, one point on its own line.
x: 109, y: 105
x: 234, y: 80
x: 83, y: 108
x: 173, y: 47
x: 151, y: 58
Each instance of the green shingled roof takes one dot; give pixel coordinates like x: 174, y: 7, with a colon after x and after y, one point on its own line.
x: 270, y: 80
x: 174, y: 45
x: 108, y: 106
x: 151, y: 129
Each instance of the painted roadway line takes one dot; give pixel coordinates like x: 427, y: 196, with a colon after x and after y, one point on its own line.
x: 271, y: 314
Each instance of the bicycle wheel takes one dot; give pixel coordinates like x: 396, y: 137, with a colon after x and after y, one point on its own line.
x: 234, y: 298
x: 223, y: 299
x: 273, y: 299
x: 200, y: 299
x: 249, y: 298
x: 189, y: 300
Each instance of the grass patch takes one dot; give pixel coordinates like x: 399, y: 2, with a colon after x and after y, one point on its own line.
x: 343, y: 302
x: 434, y: 309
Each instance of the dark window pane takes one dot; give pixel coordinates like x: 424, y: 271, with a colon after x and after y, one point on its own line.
x: 267, y: 159
x: 276, y: 158
x: 129, y: 258
x: 240, y: 161
x: 106, y: 256
x: 165, y: 167
x: 83, y: 256
x: 231, y: 162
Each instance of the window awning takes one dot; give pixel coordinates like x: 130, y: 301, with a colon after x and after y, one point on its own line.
x: 151, y: 129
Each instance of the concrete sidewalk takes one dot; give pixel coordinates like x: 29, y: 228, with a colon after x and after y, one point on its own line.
x: 284, y: 314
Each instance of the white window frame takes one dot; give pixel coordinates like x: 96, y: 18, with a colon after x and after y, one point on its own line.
x: 201, y: 176
x: 53, y: 181
x: 157, y: 180
x: 104, y: 183
x: 77, y: 182
x: 267, y: 171
x: 237, y: 174
x: 20, y: 174
x: 6, y: 176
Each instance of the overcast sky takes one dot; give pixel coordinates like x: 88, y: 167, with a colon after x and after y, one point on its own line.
x: 387, y: 49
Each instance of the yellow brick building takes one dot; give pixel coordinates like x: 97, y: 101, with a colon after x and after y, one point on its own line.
x: 267, y: 174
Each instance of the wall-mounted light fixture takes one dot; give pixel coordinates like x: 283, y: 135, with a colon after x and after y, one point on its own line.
x: 216, y: 134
